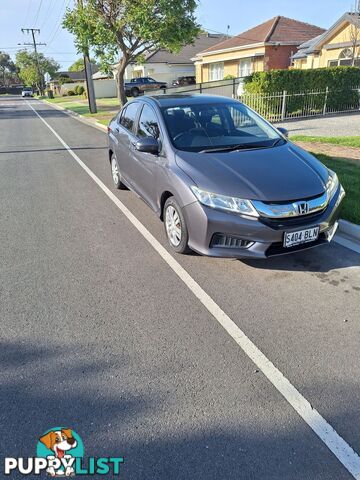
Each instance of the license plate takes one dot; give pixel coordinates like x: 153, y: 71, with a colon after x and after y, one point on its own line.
x: 301, y: 236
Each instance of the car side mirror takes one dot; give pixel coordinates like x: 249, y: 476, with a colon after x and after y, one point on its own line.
x: 148, y: 145
x: 284, y: 131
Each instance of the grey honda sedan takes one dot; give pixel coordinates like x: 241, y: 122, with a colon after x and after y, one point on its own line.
x: 224, y: 181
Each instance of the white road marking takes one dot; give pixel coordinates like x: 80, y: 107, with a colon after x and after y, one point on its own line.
x: 336, y: 444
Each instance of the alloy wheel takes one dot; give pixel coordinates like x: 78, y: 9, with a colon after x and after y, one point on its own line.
x: 173, y: 225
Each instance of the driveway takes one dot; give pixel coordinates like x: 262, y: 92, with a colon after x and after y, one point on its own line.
x: 327, y: 126
x: 146, y: 355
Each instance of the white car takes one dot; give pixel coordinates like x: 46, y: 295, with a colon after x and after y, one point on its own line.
x: 27, y: 92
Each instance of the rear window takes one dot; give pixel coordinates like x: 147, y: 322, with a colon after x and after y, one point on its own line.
x: 128, y: 116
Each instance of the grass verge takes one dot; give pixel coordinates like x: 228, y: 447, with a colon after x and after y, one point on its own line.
x: 348, y: 172
x: 107, y: 107
x: 341, y: 141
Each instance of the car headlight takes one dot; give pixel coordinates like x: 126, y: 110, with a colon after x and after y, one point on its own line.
x: 222, y: 202
x: 332, y: 184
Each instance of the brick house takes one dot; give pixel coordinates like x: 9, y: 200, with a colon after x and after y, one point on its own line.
x: 267, y: 46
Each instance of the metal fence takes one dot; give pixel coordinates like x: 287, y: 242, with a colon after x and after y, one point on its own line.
x: 283, y: 106
x: 227, y: 88
x: 279, y: 106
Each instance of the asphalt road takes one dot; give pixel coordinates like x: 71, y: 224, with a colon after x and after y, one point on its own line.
x: 100, y: 335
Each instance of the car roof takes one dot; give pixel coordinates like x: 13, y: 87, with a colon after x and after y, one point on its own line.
x: 177, y: 100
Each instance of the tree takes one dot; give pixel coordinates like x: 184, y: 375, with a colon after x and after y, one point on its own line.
x: 122, y: 30
x: 78, y: 65
x: 7, y: 68
x: 28, y: 71
x: 355, y: 33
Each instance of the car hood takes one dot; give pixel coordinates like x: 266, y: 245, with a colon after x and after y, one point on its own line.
x: 280, y: 173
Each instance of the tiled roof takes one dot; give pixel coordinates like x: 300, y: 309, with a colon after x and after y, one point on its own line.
x: 277, y: 29
x: 186, y: 53
x: 75, y: 76
x: 313, y: 44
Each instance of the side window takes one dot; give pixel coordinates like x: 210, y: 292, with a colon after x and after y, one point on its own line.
x: 128, y: 116
x: 148, y: 123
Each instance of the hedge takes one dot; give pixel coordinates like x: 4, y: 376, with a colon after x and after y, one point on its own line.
x: 297, y: 81
x: 341, y: 82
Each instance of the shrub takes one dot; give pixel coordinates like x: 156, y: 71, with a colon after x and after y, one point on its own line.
x: 65, y: 94
x: 341, y: 82
x: 296, y: 81
x: 80, y: 89
x: 71, y: 93
x: 229, y: 77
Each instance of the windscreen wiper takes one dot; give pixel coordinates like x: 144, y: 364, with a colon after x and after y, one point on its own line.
x: 277, y: 141
x: 241, y: 146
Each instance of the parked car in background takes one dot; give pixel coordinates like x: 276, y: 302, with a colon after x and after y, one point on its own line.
x: 27, y: 92
x: 140, y: 85
x: 182, y: 81
x: 225, y: 182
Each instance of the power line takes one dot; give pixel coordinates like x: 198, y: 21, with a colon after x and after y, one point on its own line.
x: 27, y: 12
x: 58, y: 22
x: 47, y: 14
x: 37, y: 13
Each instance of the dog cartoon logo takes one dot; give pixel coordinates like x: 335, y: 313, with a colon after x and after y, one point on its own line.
x: 62, y: 446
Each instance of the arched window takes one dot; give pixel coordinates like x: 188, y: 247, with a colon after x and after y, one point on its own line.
x: 346, y: 53
x: 345, y: 57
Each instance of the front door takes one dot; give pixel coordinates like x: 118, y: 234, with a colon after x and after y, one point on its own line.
x: 145, y: 166
x: 125, y: 137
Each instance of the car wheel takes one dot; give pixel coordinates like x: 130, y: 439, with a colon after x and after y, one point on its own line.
x: 175, y: 226
x: 116, y: 176
x: 135, y: 92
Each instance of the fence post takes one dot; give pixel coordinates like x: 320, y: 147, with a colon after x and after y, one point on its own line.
x: 234, y: 89
x: 200, y: 88
x: 283, y: 106
x: 325, y: 101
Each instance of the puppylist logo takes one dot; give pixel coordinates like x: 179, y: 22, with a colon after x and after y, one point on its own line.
x: 60, y: 453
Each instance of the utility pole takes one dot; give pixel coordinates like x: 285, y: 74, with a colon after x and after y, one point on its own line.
x: 88, y: 75
x: 34, y: 44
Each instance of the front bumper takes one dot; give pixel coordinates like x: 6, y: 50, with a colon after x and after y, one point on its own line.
x: 258, y: 237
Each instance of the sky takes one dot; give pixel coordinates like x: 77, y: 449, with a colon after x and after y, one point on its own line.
x: 213, y: 15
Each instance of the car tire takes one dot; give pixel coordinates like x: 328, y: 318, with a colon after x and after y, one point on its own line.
x: 135, y: 92
x: 175, y: 227
x: 116, y: 175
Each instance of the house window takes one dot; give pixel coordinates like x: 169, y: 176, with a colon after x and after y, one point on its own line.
x: 245, y: 67
x: 345, y: 59
x: 216, y: 71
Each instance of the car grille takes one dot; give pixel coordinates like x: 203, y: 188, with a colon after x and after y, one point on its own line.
x: 278, y: 223
x: 295, y: 209
x: 222, y: 240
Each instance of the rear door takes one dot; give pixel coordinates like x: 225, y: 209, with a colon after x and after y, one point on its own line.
x: 124, y: 133
x: 145, y: 166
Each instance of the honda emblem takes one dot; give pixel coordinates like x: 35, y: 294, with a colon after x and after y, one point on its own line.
x: 303, y: 208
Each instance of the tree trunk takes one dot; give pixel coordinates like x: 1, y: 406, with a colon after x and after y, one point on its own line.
x: 120, y: 82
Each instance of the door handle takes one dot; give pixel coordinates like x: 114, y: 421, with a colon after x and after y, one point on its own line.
x: 117, y: 129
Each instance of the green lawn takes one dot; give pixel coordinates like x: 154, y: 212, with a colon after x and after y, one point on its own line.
x: 107, y: 107
x: 342, y: 141
x: 348, y: 172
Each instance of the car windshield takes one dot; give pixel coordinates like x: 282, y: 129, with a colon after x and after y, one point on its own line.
x: 216, y: 127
